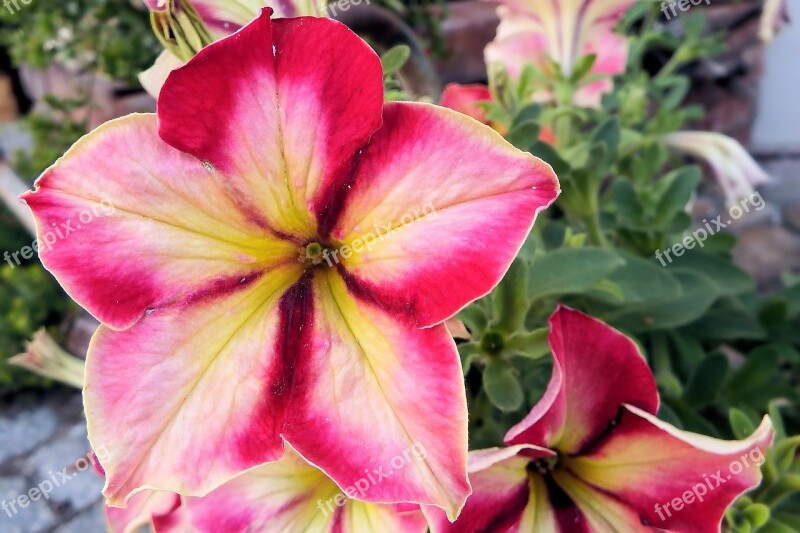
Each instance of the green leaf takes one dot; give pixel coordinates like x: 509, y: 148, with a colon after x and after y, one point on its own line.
x: 741, y: 425
x: 674, y: 192
x: 786, y: 453
x: 669, y: 416
x: 502, y: 386
x: 629, y: 210
x: 532, y: 344
x: 706, y: 381
x: 524, y: 134
x: 474, y: 317
x: 726, y: 276
x: 643, y: 281
x: 394, y: 59
x: 544, y: 151
x: 582, y: 67
x: 570, y: 271
x: 469, y: 353
x: 756, y: 373
x: 689, y: 352
x: 757, y: 514
x: 692, y: 301
x: 608, y: 135
x: 528, y: 113
x: 509, y: 300
x: 728, y: 320
x: 675, y: 90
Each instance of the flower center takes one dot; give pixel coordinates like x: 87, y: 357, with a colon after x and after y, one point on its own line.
x: 492, y: 343
x: 543, y: 466
x: 314, y: 254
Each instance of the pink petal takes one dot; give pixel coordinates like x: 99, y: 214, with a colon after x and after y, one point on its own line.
x: 352, y: 413
x: 178, y: 401
x: 674, y: 480
x: 500, y: 495
x: 128, y: 224
x: 143, y: 510
x: 297, y: 99
x: 595, y: 370
x: 292, y: 495
x: 439, y: 207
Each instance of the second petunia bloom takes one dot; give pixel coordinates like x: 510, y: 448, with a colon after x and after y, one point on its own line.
x: 592, y: 457
x: 282, y: 254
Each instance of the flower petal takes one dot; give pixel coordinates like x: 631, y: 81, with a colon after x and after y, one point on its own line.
x: 674, y: 480
x: 177, y: 401
x: 296, y: 101
x: 143, y: 510
x: 153, y: 78
x: 597, y: 510
x: 500, y: 495
x: 505, y: 497
x: 352, y: 413
x: 128, y: 224
x: 577, y: 406
x: 612, y: 55
x: 292, y: 495
x: 439, y: 208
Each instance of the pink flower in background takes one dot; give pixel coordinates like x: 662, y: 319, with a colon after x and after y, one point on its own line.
x: 537, y: 32
x: 227, y: 329
x: 467, y: 99
x: 222, y: 18
x: 591, y: 456
x: 736, y: 171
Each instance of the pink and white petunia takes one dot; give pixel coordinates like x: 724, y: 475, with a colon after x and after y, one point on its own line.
x: 282, y: 255
x: 163, y: 512
x: 592, y: 456
x: 287, y: 495
x: 292, y: 495
x: 539, y: 32
x: 222, y: 18
x: 735, y: 169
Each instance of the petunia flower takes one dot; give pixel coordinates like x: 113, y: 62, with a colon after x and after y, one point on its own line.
x: 467, y: 99
x: 283, y: 253
x: 592, y: 457
x: 163, y: 512
x: 540, y: 32
x: 45, y: 357
x: 291, y: 495
x: 774, y: 16
x: 221, y: 18
x: 736, y: 171
x: 287, y: 495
